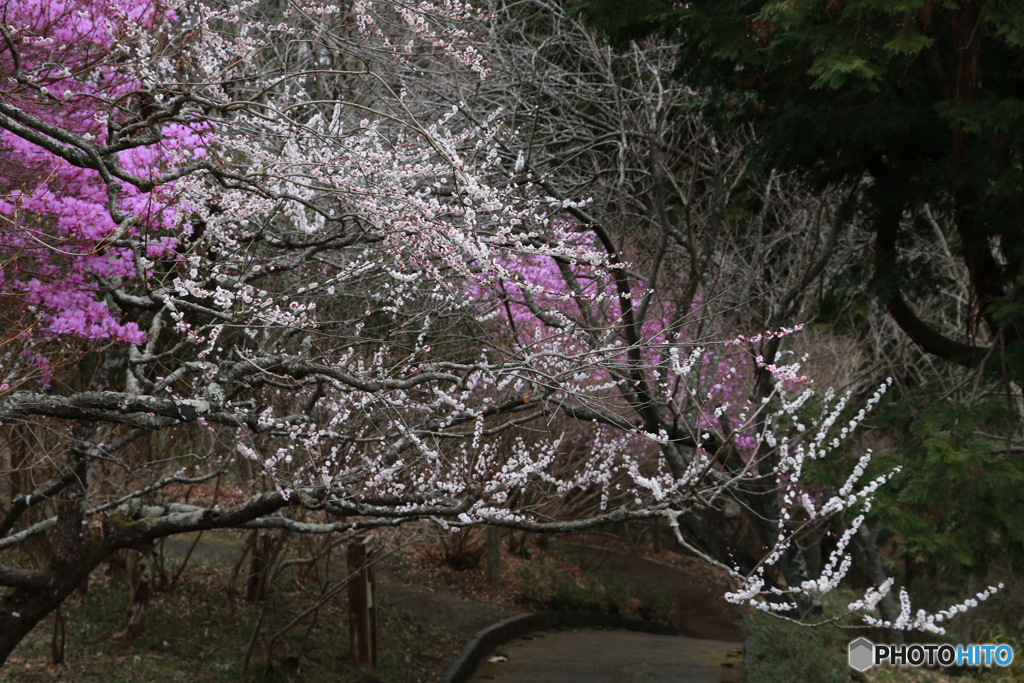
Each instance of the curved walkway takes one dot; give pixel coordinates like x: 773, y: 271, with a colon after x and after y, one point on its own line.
x: 708, y: 649
x: 595, y: 655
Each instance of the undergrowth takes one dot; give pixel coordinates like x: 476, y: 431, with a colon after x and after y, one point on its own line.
x: 781, y: 652
x: 195, y: 634
x: 547, y: 583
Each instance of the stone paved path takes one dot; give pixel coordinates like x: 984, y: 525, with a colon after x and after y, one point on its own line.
x: 610, y: 656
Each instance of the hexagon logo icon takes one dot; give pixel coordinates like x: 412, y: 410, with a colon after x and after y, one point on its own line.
x: 862, y: 654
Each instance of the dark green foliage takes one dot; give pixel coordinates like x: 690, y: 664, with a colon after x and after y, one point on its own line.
x: 837, y: 84
x: 958, y: 501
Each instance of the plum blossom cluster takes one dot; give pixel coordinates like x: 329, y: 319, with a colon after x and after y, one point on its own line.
x: 422, y: 21
x: 921, y: 620
x: 854, y: 494
x: 382, y: 311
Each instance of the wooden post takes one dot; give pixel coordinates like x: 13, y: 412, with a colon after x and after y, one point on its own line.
x: 362, y: 602
x: 493, y: 555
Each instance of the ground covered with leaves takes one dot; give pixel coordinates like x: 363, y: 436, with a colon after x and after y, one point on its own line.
x: 199, y: 627
x: 198, y: 633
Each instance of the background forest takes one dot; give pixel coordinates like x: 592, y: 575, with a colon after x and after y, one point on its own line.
x: 748, y: 273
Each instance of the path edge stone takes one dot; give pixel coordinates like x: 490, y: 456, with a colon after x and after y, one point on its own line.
x: 497, y: 634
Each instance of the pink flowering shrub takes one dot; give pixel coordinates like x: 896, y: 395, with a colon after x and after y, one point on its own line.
x: 65, y: 59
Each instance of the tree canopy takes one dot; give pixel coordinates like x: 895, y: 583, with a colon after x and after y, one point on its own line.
x: 295, y: 249
x: 924, y: 98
